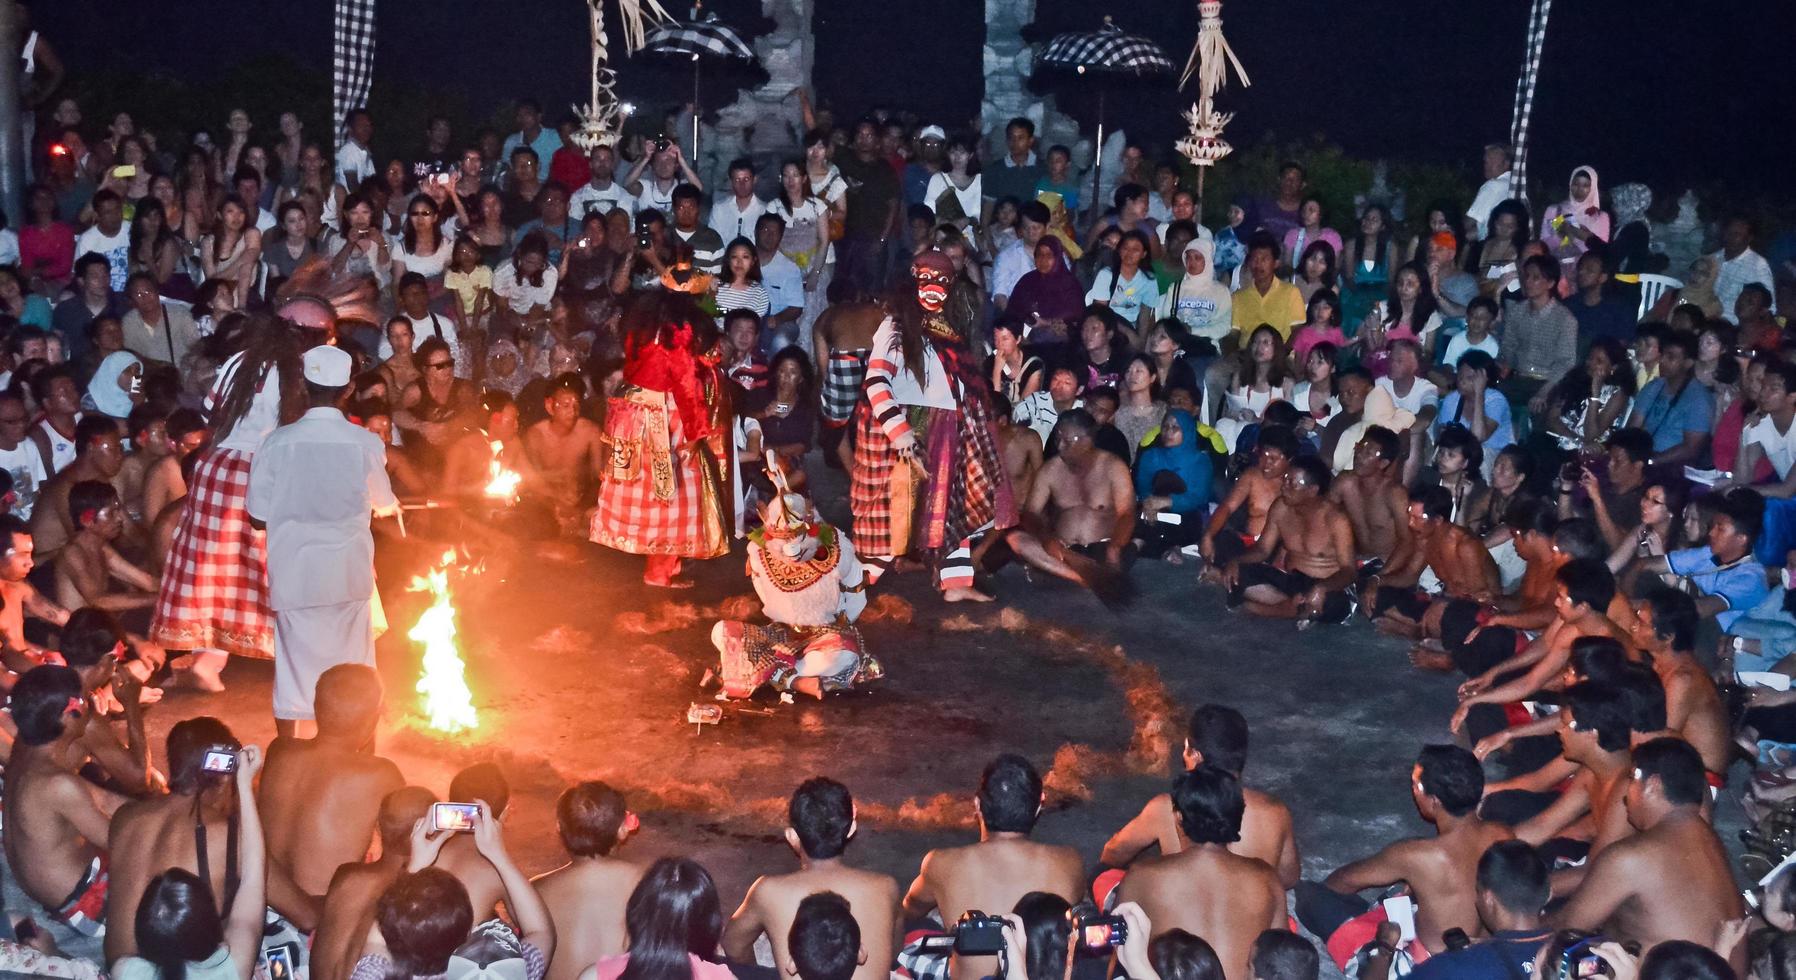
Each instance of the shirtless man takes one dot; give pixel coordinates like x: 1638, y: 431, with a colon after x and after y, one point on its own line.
x: 1093, y: 509
x: 468, y: 465
x: 1664, y: 626
x: 18, y: 597
x: 149, y: 836
x: 1003, y: 867
x: 94, y: 645
x: 841, y: 343
x: 565, y: 454
x: 820, y: 822
x: 55, y: 820
x: 1206, y: 889
x: 1585, y: 589
x: 1232, y: 530
x: 98, y: 456
x: 1218, y: 737
x: 90, y: 572
x: 1624, y: 894
x: 1018, y: 445
x: 322, y: 795
x: 1316, y: 540
x: 1454, y: 555
x: 481, y: 782
x: 349, y: 903
x: 1373, y: 498
x: 586, y: 895
x: 1447, y: 785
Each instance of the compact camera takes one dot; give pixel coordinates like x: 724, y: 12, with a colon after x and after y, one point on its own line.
x: 220, y: 759
x: 978, y: 934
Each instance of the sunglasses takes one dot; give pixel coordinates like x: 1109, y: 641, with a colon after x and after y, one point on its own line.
x: 440, y: 365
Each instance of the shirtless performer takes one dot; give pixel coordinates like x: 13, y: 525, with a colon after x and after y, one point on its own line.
x: 1218, y: 737
x: 565, y: 455
x: 1093, y: 510
x: 1232, y: 530
x: 841, y: 345
x: 1316, y: 540
x: 586, y: 895
x: 322, y: 795
x: 820, y: 823
x: 1206, y: 889
x: 1664, y: 626
x: 55, y: 820
x: 150, y: 836
x: 468, y: 463
x: 98, y: 456
x: 1003, y: 867
x: 1441, y: 871
x: 1374, y: 498
x: 150, y: 476
x: 349, y: 903
x: 18, y: 597
x: 1585, y: 589
x: 1456, y: 559
x: 460, y: 856
x: 90, y: 572
x: 1020, y: 446
x: 94, y: 645
x: 1624, y: 893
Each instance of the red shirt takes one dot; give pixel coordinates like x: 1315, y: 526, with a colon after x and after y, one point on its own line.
x: 568, y: 167
x: 47, y: 252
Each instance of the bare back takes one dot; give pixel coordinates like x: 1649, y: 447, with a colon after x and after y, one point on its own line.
x: 149, y: 837
x: 320, y: 803
x: 872, y: 899
x: 45, y: 807
x: 1208, y: 891
x: 991, y: 876
x: 1627, y: 886
x: 348, y: 915
x: 462, y: 859
x: 1266, y: 833
x: 586, y: 900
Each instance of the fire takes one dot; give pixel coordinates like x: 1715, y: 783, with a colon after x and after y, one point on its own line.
x: 502, y: 483
x: 448, y: 704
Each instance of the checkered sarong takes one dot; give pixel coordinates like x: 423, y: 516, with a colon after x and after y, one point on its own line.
x: 352, y: 61
x: 1524, y: 99
x: 656, y: 500
x: 215, y: 587
x: 842, y: 379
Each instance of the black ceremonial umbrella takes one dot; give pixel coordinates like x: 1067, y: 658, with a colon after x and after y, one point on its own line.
x: 698, y: 39
x: 1107, y: 50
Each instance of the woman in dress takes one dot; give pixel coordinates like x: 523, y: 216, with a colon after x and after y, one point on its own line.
x: 400, y: 369
x: 1314, y: 396
x: 1576, y: 224
x: 1589, y: 404
x: 423, y: 248
x: 358, y: 247
x: 806, y: 240
x: 1367, y: 260
x: 1012, y: 372
x: 1408, y: 313
x: 1260, y: 377
x: 1166, y: 343
x: 786, y: 422
x: 1309, y: 232
x: 488, y: 228
x: 46, y: 245
x: 955, y: 193
x: 287, y: 246
x: 1497, y: 260
x: 233, y: 249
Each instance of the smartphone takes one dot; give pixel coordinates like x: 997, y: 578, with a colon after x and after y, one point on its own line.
x: 128, y: 170
x: 1168, y: 517
x: 220, y: 759
x: 278, y: 962
x: 1101, y: 931
x: 1401, y: 910
x: 454, y: 817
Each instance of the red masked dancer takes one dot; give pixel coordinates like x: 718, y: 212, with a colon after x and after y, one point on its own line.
x: 927, y: 475
x: 667, y: 442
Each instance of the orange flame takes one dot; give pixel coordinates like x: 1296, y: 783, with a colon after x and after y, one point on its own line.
x: 502, y: 484
x: 447, y: 703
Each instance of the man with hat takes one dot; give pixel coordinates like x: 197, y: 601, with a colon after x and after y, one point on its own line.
x: 314, y: 484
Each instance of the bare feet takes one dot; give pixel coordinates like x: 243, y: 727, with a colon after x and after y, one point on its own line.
x: 199, y: 680
x: 677, y: 582
x: 809, y: 685
x: 1428, y: 659
x: 965, y: 593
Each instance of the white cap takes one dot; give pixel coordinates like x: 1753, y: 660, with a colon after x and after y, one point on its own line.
x: 328, y: 367
x: 931, y: 133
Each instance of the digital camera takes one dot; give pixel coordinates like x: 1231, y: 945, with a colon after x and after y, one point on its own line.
x: 978, y: 934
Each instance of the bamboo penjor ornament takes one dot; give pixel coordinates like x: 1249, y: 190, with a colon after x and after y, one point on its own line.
x: 600, y: 119
x: 1210, y: 58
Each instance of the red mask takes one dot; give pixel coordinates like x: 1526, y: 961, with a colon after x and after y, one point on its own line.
x: 934, y: 274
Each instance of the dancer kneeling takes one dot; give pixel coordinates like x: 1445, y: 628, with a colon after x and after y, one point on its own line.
x: 812, y: 587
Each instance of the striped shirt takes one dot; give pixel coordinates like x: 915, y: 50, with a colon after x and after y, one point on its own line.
x: 753, y: 297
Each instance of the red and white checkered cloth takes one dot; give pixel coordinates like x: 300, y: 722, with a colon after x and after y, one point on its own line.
x: 215, y: 587
x: 631, y: 517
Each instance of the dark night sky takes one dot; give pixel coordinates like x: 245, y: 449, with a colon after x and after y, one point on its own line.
x: 1626, y: 85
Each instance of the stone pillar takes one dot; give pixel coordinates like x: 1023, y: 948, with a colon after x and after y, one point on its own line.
x: 765, y: 122
x: 1009, y: 60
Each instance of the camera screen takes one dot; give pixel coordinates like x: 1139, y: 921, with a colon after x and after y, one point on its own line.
x: 219, y: 760
x: 1097, y: 934
x: 1591, y: 965
x: 454, y: 816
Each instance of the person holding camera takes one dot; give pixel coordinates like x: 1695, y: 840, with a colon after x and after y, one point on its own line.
x: 1512, y: 893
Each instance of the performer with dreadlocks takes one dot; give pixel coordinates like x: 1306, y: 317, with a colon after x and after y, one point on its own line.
x: 667, y: 435
x: 927, y: 475
x: 214, y: 596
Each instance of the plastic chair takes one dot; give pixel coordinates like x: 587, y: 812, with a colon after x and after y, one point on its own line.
x: 1652, y: 288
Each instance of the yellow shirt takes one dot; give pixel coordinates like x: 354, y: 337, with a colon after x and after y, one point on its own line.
x: 1281, y: 307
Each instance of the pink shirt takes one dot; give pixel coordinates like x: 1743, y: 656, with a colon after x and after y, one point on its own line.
x: 611, y: 967
x: 47, y: 252
x: 1311, y: 335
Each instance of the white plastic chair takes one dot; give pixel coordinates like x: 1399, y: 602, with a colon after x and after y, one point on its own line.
x: 1652, y: 287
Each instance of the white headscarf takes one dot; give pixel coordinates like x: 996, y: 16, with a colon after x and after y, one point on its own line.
x: 103, y: 392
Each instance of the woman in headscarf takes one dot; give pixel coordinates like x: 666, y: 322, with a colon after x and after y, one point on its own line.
x: 117, y: 386
x: 1698, y: 291
x: 1049, y: 295
x: 1172, y: 481
x: 505, y: 367
x: 1198, y: 301
x: 1570, y: 227
x: 1630, y: 249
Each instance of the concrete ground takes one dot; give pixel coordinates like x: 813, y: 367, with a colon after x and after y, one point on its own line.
x: 580, y: 672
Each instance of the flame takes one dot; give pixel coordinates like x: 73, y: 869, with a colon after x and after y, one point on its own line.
x: 448, y: 704
x: 502, y: 483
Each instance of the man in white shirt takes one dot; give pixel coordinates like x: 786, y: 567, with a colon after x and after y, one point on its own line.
x: 314, y: 484
x: 1415, y: 395
x: 1042, y: 409
x: 248, y: 185
x: 668, y: 169
x: 1740, y: 265
x: 733, y: 214
x: 602, y: 193
x: 1771, y: 438
x: 1018, y: 257
x: 355, y: 162
x: 784, y: 283
x: 18, y: 456
x: 110, y: 236
x: 157, y: 330
x: 1494, y: 190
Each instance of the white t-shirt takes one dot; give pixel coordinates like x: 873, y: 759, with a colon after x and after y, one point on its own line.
x: 116, y: 248
x: 26, y: 465
x: 354, y: 161
x: 1459, y: 345
x: 520, y: 294
x: 1422, y: 394
x: 1780, y: 447
x: 732, y: 222
x: 653, y: 196
x: 1129, y: 296
x: 9, y: 247
x: 589, y: 198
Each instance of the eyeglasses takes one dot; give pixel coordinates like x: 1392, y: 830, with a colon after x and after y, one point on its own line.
x: 440, y: 365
